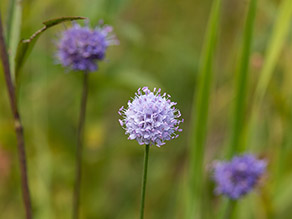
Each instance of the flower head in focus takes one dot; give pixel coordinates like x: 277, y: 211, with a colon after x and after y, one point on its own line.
x: 151, y: 118
x: 79, y: 48
x: 239, y: 176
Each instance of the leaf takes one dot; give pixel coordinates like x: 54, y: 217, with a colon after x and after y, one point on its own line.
x: 200, y: 114
x: 280, y: 31
x: 25, y: 46
x: 241, y: 83
x: 9, y: 20
x: 279, y: 34
x: 53, y: 22
x: 13, y: 31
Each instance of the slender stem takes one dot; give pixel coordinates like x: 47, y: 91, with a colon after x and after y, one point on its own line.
x: 79, y: 149
x: 229, y: 214
x: 17, y: 124
x: 144, y: 181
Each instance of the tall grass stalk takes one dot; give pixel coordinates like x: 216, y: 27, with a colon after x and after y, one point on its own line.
x: 275, y: 45
x: 17, y: 123
x: 238, y: 120
x: 279, y: 34
x: 200, y: 115
x: 237, y: 140
x: 79, y: 147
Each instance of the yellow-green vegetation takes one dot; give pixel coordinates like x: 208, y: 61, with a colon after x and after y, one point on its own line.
x: 227, y: 63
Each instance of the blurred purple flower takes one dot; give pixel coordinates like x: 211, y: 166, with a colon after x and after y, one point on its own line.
x: 151, y: 118
x: 239, y: 176
x: 79, y: 48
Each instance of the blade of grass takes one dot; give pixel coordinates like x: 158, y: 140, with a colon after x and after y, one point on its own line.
x: 236, y: 142
x: 280, y: 31
x: 200, y: 114
x: 238, y: 118
x: 279, y: 34
x: 13, y: 31
x: 9, y: 19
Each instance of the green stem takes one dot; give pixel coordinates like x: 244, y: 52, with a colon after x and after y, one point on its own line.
x: 79, y: 149
x: 144, y: 181
x: 229, y: 213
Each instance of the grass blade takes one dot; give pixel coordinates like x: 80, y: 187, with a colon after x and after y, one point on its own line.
x: 13, y: 30
x: 200, y: 114
x: 242, y: 83
x: 280, y: 31
x: 9, y: 20
x: 279, y: 35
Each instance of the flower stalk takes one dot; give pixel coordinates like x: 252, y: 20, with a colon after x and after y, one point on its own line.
x: 229, y: 214
x: 80, y: 49
x: 17, y: 124
x: 151, y: 119
x: 79, y: 147
x: 144, y: 181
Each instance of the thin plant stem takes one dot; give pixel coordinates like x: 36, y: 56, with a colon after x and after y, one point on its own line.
x: 79, y: 148
x: 229, y: 213
x: 17, y: 124
x: 144, y: 181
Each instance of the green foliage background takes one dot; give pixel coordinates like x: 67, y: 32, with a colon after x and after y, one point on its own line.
x: 160, y: 45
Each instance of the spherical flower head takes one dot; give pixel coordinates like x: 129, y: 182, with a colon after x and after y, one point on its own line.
x: 239, y: 176
x: 79, y: 48
x: 151, y: 118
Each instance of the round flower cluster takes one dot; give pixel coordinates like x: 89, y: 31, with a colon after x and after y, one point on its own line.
x: 239, y: 176
x: 151, y: 118
x: 80, y: 48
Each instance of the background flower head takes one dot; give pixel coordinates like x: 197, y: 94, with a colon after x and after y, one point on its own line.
x: 79, y: 48
x: 151, y: 118
x: 239, y: 176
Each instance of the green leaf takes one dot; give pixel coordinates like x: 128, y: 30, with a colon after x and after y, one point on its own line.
x: 9, y: 20
x: 280, y: 31
x: 200, y: 115
x: 25, y: 46
x: 53, y: 22
x: 279, y: 34
x: 13, y: 30
x: 238, y: 119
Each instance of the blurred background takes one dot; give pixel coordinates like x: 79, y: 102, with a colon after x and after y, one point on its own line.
x: 160, y: 46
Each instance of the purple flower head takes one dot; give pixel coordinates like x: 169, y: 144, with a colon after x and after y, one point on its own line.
x: 239, y: 176
x: 79, y: 48
x: 151, y: 118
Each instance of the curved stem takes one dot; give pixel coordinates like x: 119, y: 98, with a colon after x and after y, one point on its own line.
x: 17, y: 124
x: 79, y: 148
x: 144, y: 181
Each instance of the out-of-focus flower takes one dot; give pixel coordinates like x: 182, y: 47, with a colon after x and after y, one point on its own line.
x: 79, y: 48
x: 151, y: 118
x: 239, y: 176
